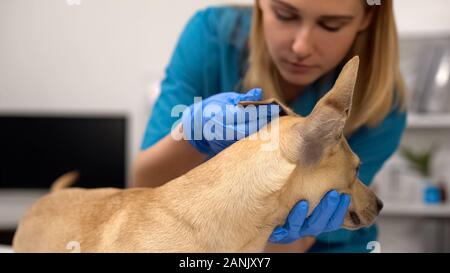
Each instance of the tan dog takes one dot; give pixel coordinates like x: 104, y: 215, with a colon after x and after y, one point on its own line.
x: 231, y: 203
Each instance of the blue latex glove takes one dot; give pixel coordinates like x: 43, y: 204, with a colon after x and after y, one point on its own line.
x: 227, y: 103
x: 327, y: 216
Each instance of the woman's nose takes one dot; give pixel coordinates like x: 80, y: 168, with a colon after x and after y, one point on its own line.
x: 303, y: 44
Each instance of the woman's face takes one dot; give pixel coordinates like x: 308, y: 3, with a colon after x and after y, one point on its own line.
x: 308, y: 38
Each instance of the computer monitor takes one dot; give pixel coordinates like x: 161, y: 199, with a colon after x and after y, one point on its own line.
x: 36, y: 150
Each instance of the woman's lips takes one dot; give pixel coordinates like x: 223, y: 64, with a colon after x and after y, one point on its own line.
x: 298, y: 67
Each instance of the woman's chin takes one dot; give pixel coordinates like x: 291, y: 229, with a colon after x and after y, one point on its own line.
x: 300, y: 79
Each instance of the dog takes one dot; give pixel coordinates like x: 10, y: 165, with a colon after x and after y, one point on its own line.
x: 231, y: 203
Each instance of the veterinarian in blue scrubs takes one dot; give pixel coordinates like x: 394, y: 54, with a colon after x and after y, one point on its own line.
x: 293, y: 50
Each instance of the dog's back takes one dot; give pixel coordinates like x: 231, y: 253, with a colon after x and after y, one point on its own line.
x: 102, y: 220
x: 40, y: 229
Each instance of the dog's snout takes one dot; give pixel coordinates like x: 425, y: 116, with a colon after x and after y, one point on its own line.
x: 379, y: 205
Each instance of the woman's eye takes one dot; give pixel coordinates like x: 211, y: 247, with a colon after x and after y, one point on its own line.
x: 284, y: 16
x: 330, y: 28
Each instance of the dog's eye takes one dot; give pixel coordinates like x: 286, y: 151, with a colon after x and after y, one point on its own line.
x: 357, y: 170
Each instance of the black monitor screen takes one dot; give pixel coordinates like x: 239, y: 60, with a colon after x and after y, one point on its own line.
x: 34, y: 151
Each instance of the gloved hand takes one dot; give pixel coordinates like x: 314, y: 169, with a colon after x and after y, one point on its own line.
x: 224, y: 124
x: 327, y: 216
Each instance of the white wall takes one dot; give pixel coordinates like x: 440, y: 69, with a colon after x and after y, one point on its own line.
x: 422, y: 17
x: 103, y: 55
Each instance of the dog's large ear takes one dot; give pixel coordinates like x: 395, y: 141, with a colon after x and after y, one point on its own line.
x: 284, y: 110
x: 324, y: 127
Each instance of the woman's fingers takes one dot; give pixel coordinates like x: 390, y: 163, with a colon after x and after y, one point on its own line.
x: 278, y: 235
x: 327, y: 216
x: 296, y: 219
x: 338, y: 217
x: 318, y: 221
x: 291, y: 229
x: 252, y: 95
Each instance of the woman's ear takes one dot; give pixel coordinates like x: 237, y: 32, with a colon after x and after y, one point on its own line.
x: 367, y: 19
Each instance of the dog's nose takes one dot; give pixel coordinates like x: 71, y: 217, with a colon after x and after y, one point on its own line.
x: 379, y: 205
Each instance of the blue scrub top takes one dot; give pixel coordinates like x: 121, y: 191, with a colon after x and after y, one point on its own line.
x: 210, y: 58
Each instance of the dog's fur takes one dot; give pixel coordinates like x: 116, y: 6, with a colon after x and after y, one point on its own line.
x: 231, y: 203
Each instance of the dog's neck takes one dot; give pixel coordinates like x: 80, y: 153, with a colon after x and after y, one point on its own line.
x: 242, y: 204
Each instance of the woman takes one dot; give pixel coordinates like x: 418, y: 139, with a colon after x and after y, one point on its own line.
x: 293, y: 50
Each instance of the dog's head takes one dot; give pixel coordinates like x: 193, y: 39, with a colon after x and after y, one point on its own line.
x: 323, y: 158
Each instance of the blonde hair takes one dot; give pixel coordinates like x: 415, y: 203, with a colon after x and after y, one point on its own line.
x: 379, y: 85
